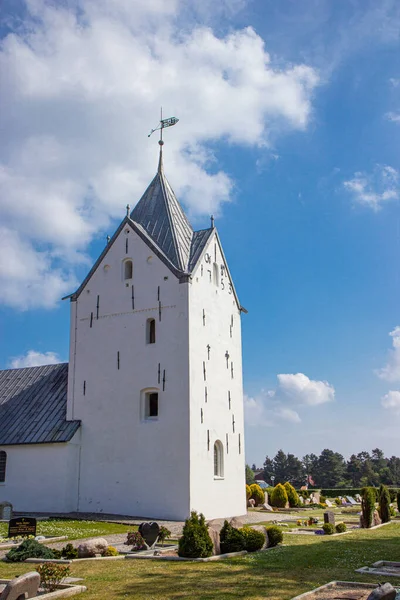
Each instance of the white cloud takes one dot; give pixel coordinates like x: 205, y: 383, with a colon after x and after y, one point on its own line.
x: 303, y: 390
x: 392, y: 116
x: 34, y: 359
x: 81, y: 90
x: 375, y: 189
x: 391, y: 371
x: 394, y: 81
x: 391, y: 401
x: 288, y: 414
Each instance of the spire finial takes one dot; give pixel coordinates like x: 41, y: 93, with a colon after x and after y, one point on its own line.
x: 128, y: 210
x: 162, y: 124
x: 212, y: 222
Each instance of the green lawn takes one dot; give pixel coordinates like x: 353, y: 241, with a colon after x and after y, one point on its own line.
x: 278, y: 574
x: 74, y: 529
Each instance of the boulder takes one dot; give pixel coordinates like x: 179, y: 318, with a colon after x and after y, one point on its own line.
x: 376, y: 520
x: 92, y: 547
x: 213, y: 532
x: 267, y: 507
x: 237, y: 522
x: 251, y: 503
x: 383, y: 592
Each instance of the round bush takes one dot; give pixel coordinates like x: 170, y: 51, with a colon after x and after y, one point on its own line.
x: 341, y: 527
x: 248, y: 492
x: 231, y: 539
x: 195, y: 541
x: 254, y: 540
x: 328, y: 528
x: 110, y: 551
x: 292, y: 495
x: 257, y: 494
x: 275, y: 535
x: 279, y: 496
x: 29, y: 549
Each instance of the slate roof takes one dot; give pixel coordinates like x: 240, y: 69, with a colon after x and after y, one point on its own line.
x: 33, y: 406
x: 162, y: 217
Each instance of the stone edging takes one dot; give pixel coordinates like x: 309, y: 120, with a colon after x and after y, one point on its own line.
x: 338, y: 584
x: 181, y: 558
x: 66, y: 561
x: 66, y: 590
x: 52, y: 540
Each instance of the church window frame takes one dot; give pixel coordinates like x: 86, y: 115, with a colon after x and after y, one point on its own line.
x: 151, y: 331
x: 127, y: 269
x: 218, y: 460
x: 150, y: 401
x: 3, y: 465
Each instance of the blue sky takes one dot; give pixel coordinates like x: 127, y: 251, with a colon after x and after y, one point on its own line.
x: 289, y: 132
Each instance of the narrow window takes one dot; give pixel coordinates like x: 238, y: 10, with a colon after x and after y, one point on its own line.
x: 151, y: 331
x: 151, y: 405
x: 218, y: 459
x: 128, y: 269
x: 216, y: 273
x: 3, y: 461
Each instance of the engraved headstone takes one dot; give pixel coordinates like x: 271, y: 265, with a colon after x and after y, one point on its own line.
x: 5, y: 511
x: 21, y: 526
x: 149, y: 532
x: 329, y: 517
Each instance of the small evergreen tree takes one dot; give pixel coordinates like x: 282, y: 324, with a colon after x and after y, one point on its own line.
x: 384, y: 504
x: 292, y: 495
x: 279, y: 496
x: 195, y: 541
x: 367, y: 506
x: 257, y: 494
x: 231, y: 539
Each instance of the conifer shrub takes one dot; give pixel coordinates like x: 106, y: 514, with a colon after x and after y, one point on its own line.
x: 341, y: 527
x: 29, y: 549
x: 231, y: 539
x: 328, y: 528
x: 257, y: 494
x: 69, y: 552
x: 384, y: 504
x: 367, y: 506
x: 248, y: 492
x: 275, y: 535
x: 195, y: 541
x: 279, y: 496
x: 398, y: 500
x: 253, y: 540
x: 292, y: 495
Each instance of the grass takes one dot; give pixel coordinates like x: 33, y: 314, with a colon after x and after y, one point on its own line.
x: 74, y: 529
x: 278, y: 574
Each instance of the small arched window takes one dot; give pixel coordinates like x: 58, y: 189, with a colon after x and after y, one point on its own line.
x: 128, y: 269
x: 151, y: 331
x: 218, y: 459
x: 3, y: 462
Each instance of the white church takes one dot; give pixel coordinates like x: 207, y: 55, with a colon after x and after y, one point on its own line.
x: 146, y: 419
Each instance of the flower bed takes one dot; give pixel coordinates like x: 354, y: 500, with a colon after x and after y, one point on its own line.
x: 64, y: 590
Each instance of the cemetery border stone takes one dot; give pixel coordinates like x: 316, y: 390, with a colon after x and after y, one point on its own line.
x: 21, y: 527
x: 6, y: 511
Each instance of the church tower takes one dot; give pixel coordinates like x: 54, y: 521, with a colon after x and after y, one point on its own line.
x: 155, y: 371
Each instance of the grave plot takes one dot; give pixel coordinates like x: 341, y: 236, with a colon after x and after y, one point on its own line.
x: 383, y: 568
x: 346, y: 590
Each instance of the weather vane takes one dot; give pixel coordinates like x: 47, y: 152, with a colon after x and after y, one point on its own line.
x: 162, y: 124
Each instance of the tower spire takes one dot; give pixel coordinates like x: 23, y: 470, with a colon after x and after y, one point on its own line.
x: 162, y: 124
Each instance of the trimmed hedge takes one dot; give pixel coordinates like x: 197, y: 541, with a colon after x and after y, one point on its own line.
x: 253, y: 540
x: 292, y: 495
x: 368, y: 506
x: 257, y: 494
x: 275, y: 535
x: 384, y: 504
x: 279, y: 496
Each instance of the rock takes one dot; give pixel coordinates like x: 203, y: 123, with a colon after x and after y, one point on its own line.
x: 92, y: 547
x: 264, y: 532
x: 236, y: 522
x: 251, y: 503
x: 383, y: 592
x: 376, y: 520
x: 267, y: 507
x: 214, y: 531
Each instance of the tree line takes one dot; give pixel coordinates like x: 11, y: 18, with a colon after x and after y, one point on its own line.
x: 330, y: 469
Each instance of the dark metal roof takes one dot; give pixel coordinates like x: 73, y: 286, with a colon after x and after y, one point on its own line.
x: 33, y: 406
x: 199, y: 241
x: 161, y: 216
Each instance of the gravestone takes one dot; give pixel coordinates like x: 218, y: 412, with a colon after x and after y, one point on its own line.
x: 6, y: 510
x: 328, y: 503
x: 316, y: 497
x: 24, y: 586
x: 22, y: 526
x: 266, y: 500
x: 149, y: 532
x: 329, y: 517
x: 301, y: 499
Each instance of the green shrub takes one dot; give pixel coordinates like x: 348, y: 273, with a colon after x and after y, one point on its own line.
x: 69, y: 552
x: 275, y: 535
x: 51, y: 575
x: 293, y: 498
x: 341, y: 527
x: 367, y: 506
x: 29, y: 549
x: 279, y: 496
x: 328, y: 528
x: 248, y: 492
x: 253, y: 540
x: 322, y: 499
x: 110, y: 551
x: 231, y: 539
x: 195, y: 541
x: 384, y: 504
x: 338, y: 502
x: 163, y: 534
x: 257, y: 494
x: 398, y: 500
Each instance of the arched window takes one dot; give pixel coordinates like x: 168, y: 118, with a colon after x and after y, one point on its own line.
x: 128, y: 269
x: 3, y: 462
x: 218, y: 459
x: 151, y: 331
x: 216, y: 273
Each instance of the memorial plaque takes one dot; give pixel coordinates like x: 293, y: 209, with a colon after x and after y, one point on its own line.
x: 21, y: 526
x: 149, y: 532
